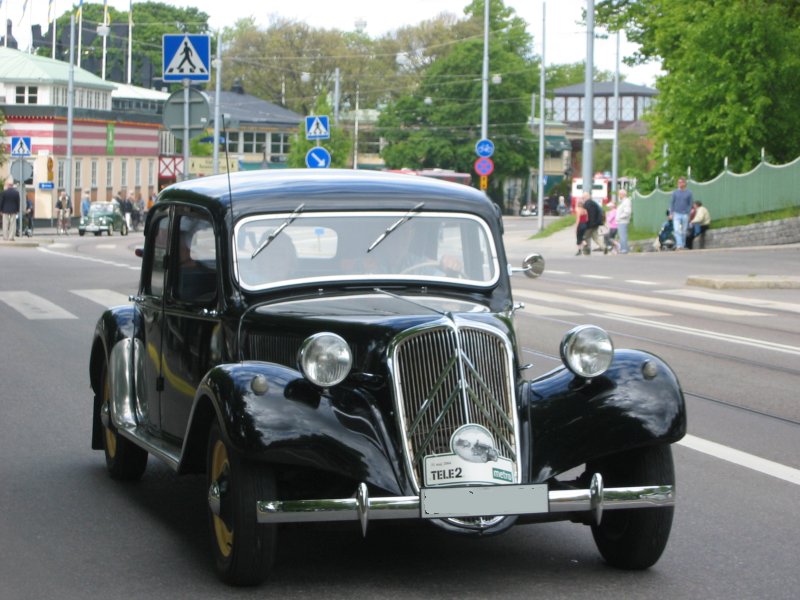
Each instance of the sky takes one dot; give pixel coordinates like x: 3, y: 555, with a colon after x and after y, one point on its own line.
x: 565, y: 37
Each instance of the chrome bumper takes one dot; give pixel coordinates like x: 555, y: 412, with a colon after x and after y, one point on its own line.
x: 437, y: 503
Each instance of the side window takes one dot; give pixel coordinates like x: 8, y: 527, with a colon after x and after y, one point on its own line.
x: 196, y: 275
x: 155, y: 285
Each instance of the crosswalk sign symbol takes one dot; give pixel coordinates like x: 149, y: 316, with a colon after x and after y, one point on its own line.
x: 186, y: 57
x: 20, y: 146
x: 317, y: 128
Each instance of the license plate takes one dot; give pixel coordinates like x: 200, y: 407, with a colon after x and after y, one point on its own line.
x: 480, y: 501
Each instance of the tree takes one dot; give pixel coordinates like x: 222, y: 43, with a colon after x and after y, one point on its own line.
x: 438, y: 124
x: 730, y: 87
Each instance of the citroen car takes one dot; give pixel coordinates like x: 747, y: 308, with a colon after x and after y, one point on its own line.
x: 334, y: 345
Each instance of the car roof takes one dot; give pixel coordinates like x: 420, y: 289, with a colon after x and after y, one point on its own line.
x: 282, y: 190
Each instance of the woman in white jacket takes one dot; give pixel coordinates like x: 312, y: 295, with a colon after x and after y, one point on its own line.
x: 624, y: 211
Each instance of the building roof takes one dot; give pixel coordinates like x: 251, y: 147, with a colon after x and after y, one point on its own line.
x: 606, y: 88
x: 20, y: 67
x: 134, y: 92
x: 245, y: 108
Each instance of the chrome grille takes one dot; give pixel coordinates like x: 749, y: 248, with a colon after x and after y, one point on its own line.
x: 449, y: 376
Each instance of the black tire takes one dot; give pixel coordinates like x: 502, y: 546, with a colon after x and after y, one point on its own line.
x: 110, y: 230
x: 244, y: 551
x: 124, y: 229
x: 81, y: 232
x: 98, y: 233
x: 635, y: 538
x: 125, y: 461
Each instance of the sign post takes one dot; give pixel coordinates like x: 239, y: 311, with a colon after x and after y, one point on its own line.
x: 186, y: 58
x: 21, y: 170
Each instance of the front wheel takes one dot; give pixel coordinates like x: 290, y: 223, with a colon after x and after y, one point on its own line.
x: 124, y: 230
x: 635, y: 538
x: 244, y: 551
x: 124, y: 459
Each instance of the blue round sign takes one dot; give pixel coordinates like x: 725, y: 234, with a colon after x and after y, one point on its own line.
x: 318, y: 158
x: 484, y: 148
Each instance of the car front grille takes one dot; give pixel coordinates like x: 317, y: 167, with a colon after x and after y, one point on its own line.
x: 448, y: 376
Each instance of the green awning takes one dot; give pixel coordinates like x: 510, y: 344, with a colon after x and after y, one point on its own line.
x: 556, y: 143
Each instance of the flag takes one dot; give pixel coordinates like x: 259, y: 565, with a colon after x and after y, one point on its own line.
x: 79, y: 12
x: 105, y: 13
x: 49, y: 11
x: 24, y: 8
x: 130, y: 13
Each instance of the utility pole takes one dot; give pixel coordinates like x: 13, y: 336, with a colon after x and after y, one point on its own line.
x: 588, y: 101
x: 541, y: 127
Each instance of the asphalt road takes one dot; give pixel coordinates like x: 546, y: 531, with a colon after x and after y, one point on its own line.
x: 68, y: 531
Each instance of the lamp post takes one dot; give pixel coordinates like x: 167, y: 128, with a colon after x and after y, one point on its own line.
x: 103, y: 31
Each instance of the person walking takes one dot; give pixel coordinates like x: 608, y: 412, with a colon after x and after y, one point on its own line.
x: 595, y: 220
x: 679, y: 207
x: 611, y: 243
x: 127, y: 209
x: 624, y: 214
x: 86, y: 203
x: 9, y: 207
x: 63, y: 213
x: 581, y: 223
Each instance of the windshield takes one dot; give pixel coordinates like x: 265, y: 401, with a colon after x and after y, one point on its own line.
x: 98, y: 210
x: 320, y: 247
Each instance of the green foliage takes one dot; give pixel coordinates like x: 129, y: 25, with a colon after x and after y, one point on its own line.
x: 730, y: 87
x: 151, y: 20
x: 339, y: 145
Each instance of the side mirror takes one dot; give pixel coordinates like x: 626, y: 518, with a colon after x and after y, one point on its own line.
x: 533, y: 265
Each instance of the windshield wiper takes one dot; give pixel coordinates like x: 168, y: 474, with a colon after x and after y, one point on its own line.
x: 395, y: 225
x: 277, y: 232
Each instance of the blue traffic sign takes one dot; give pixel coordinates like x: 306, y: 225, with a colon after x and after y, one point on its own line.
x: 20, y: 146
x: 484, y: 166
x: 317, y: 128
x: 186, y: 57
x: 484, y: 148
x: 318, y: 158
x: 46, y: 185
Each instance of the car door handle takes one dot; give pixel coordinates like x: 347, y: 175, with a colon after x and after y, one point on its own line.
x: 136, y: 299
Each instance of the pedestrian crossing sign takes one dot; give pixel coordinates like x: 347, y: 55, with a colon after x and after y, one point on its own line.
x: 317, y: 128
x: 186, y: 56
x: 20, y: 146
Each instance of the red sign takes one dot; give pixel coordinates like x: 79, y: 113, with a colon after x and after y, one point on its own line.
x: 484, y: 166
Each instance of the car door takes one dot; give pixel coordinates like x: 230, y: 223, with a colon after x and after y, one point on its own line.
x: 150, y: 304
x: 191, y: 316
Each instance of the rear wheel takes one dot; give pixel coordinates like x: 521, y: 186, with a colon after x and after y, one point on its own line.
x: 635, y: 538
x: 124, y: 229
x: 124, y: 459
x: 244, y: 551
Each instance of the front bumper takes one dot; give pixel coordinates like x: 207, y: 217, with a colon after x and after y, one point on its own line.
x: 477, y: 501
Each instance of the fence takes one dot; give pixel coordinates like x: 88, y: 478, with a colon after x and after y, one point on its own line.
x: 765, y: 188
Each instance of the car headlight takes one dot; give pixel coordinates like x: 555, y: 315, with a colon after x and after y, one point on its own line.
x: 325, y: 359
x: 587, y: 351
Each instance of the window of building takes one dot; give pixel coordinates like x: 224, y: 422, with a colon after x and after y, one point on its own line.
x: 20, y: 94
x: 109, y: 172
x: 60, y: 173
x: 124, y: 173
x: 27, y: 94
x: 137, y: 172
x: 600, y: 115
x: 560, y: 109
x: 573, y: 108
x: 233, y: 141
x: 77, y: 183
x: 151, y: 172
x: 279, y: 143
x: 627, y: 108
x: 94, y: 174
x: 253, y: 142
x: 33, y: 95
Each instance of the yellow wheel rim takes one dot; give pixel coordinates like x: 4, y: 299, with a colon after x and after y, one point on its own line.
x: 219, y: 466
x: 111, y: 436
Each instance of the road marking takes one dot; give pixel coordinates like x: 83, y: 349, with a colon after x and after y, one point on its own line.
x: 106, y: 246
x: 107, y: 298
x: 713, y: 335
x: 743, y: 459
x: 89, y: 259
x: 552, y: 272
x: 559, y: 300
x: 543, y: 310
x: 758, y: 302
x: 693, y: 306
x: 641, y: 282
x: 33, y: 307
x: 595, y: 276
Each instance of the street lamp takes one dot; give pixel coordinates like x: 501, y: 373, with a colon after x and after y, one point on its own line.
x: 103, y: 30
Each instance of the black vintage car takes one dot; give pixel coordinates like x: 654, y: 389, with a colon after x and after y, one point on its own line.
x: 340, y: 345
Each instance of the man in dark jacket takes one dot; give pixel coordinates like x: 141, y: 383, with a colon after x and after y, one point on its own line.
x: 596, y: 219
x: 9, y: 207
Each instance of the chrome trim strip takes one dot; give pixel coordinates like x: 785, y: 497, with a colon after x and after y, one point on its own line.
x: 408, y: 507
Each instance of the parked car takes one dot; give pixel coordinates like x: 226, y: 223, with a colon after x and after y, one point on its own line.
x: 103, y: 217
x: 339, y: 345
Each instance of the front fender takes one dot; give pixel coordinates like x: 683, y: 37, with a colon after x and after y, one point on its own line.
x: 294, y: 423
x: 573, y: 420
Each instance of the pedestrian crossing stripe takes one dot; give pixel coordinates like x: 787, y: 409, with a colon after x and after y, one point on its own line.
x: 33, y: 307
x: 20, y: 146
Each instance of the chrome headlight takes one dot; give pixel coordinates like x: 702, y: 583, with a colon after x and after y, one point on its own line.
x: 587, y: 351
x: 325, y: 359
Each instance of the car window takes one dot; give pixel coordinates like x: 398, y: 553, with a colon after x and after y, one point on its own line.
x: 319, y: 247
x: 196, y: 269
x: 160, y: 232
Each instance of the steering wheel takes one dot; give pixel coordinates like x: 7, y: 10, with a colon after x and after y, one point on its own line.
x: 419, y: 266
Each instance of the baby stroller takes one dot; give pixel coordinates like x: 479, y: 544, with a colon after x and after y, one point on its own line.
x: 666, y: 235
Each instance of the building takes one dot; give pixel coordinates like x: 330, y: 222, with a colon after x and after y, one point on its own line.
x: 113, y: 148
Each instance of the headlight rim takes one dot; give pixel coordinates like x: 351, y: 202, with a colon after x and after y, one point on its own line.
x: 569, y: 356
x: 305, y: 355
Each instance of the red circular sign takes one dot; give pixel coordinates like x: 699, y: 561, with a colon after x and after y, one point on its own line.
x: 484, y: 166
